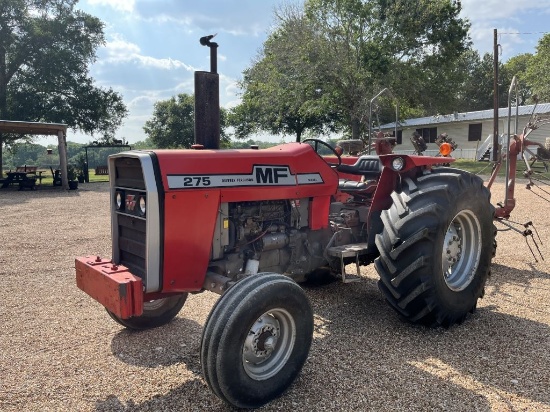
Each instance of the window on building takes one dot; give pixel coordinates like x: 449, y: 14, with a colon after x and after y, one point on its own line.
x: 474, y: 132
x: 429, y: 134
x: 399, y: 139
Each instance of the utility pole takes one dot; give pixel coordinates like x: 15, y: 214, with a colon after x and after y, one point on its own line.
x: 495, y: 98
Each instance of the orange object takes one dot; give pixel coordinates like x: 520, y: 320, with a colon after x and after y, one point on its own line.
x: 445, y: 149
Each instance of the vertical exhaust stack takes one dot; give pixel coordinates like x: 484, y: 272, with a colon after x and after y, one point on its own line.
x: 207, y: 100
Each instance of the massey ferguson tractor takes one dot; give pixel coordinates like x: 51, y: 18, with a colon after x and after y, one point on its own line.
x: 251, y: 224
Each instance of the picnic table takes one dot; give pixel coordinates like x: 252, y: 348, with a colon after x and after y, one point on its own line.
x: 23, y: 179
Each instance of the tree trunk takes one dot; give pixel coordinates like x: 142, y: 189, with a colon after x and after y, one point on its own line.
x: 62, y: 145
x: 355, y: 128
x: 3, y: 98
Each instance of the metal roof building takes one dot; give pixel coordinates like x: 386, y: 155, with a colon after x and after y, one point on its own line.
x: 468, y: 128
x: 541, y: 109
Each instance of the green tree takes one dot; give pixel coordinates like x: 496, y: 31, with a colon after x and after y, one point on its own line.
x: 240, y: 144
x: 280, y: 95
x: 173, y: 123
x: 325, y: 64
x: 477, y: 90
x: 367, y: 45
x: 537, y: 74
x: 46, y: 48
x: 517, y: 66
x: 144, y: 144
x: 25, y: 154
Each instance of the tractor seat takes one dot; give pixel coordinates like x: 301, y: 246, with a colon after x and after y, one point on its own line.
x: 355, y: 188
x: 368, y: 166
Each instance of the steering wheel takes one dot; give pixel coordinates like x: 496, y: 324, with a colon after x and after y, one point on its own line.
x: 332, y: 149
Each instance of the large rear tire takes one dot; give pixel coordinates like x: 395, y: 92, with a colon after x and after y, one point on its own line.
x: 155, y: 313
x: 436, y: 247
x: 256, y: 340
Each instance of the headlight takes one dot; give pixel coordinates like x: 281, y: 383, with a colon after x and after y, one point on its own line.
x: 119, y: 200
x: 142, y: 205
x: 397, y: 163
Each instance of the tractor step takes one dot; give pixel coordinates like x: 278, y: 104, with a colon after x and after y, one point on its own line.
x: 346, y: 251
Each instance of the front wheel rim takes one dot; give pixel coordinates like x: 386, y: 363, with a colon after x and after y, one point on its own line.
x: 269, y: 344
x: 153, y: 304
x: 461, y: 250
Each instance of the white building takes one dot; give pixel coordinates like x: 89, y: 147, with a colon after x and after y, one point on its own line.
x: 469, y: 130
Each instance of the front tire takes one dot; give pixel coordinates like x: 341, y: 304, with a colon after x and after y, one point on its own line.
x: 256, y: 340
x: 436, y: 247
x: 155, y: 313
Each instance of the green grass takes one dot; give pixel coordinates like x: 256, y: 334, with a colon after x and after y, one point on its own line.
x: 471, y: 166
x: 48, y: 179
x: 485, y: 168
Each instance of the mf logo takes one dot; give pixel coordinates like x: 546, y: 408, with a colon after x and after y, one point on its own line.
x: 130, y: 202
x: 278, y: 175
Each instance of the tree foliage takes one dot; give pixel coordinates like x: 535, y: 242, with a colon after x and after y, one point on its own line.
x: 46, y: 47
x: 537, y: 74
x: 173, y: 123
x: 369, y: 45
x: 334, y: 57
x: 517, y: 66
x: 281, y: 96
x: 476, y: 90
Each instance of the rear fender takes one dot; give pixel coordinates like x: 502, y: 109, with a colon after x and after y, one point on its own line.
x: 389, y: 180
x: 414, y: 161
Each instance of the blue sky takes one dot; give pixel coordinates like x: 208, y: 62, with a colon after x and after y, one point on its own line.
x: 153, y: 46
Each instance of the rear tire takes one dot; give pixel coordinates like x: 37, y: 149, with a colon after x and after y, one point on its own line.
x: 436, y: 247
x: 155, y: 313
x: 256, y: 340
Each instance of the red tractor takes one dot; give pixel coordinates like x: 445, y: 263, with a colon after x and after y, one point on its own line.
x: 249, y: 224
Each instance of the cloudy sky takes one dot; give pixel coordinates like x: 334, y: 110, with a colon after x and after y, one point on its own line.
x: 153, y: 46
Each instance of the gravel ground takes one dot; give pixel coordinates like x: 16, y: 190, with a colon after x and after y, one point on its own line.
x: 60, y: 351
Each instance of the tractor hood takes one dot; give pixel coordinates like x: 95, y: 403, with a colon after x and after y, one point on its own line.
x: 284, y: 171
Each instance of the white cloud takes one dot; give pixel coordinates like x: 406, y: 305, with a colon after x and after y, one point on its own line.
x: 165, y: 64
x: 121, y: 51
x: 187, y: 86
x: 144, y: 101
x: 255, y: 30
x: 232, y: 103
x: 232, y: 88
x: 509, y: 17
x: 118, y: 48
x: 165, y: 18
x: 490, y: 10
x: 119, y: 5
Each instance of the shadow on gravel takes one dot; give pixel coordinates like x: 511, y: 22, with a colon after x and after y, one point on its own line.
x: 490, y: 352
x: 364, y: 357
x: 177, y: 399
x: 502, y: 275
x: 177, y: 342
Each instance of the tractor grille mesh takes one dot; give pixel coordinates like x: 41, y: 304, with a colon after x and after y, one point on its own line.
x: 132, y: 233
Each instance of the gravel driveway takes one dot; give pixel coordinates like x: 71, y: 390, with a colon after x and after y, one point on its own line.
x: 60, y: 351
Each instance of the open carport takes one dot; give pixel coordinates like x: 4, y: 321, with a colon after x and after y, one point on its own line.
x: 39, y: 128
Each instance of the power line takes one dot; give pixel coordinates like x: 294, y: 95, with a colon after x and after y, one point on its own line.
x: 534, y: 32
